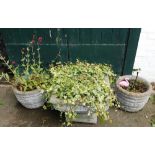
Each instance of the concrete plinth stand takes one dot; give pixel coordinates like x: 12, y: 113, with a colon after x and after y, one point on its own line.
x: 84, y: 118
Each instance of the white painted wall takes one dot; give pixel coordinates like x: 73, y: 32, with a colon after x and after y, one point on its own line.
x: 145, y: 56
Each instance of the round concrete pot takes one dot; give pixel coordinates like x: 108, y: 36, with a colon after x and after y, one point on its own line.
x: 130, y: 101
x: 30, y: 99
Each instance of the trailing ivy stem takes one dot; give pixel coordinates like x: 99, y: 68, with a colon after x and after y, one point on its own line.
x: 24, y: 61
x: 33, y: 55
x: 28, y: 62
x: 8, y: 66
x: 39, y: 55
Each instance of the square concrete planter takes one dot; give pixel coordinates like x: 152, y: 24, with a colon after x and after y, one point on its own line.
x: 82, y: 111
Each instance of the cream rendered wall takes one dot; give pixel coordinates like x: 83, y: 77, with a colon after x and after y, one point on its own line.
x: 145, y: 56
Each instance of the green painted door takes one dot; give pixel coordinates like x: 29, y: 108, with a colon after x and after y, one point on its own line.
x: 115, y: 46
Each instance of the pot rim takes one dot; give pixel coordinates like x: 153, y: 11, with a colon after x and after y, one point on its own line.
x: 148, y: 92
x: 25, y: 92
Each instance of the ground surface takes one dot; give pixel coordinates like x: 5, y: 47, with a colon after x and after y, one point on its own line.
x: 12, y: 114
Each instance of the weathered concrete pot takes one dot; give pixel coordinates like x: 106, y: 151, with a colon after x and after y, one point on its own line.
x: 30, y: 99
x: 130, y: 101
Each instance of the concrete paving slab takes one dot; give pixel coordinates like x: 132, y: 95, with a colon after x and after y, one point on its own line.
x: 13, y: 114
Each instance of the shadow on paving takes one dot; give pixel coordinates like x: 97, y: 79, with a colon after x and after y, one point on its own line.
x: 13, y: 114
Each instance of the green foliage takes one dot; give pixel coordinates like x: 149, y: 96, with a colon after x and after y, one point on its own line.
x: 83, y: 83
x: 1, y: 102
x: 153, y: 121
x: 59, y: 44
x: 152, y: 99
x: 29, y: 75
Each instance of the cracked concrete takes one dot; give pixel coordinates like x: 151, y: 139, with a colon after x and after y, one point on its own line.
x: 13, y: 114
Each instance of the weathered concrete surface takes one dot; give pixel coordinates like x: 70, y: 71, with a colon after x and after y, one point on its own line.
x: 13, y: 114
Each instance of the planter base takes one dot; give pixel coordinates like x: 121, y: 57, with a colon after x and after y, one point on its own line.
x: 84, y: 118
x: 82, y: 111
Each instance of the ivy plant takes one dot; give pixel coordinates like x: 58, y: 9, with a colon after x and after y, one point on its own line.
x: 83, y: 83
